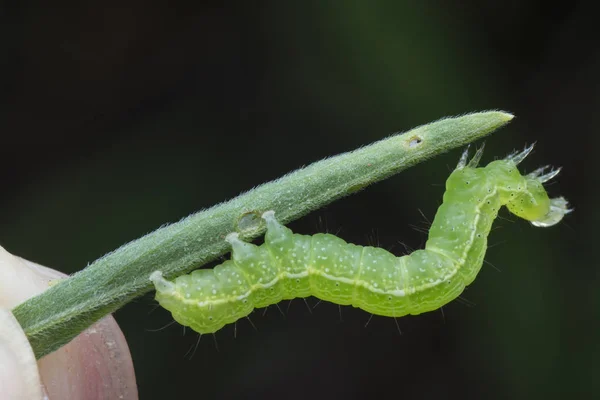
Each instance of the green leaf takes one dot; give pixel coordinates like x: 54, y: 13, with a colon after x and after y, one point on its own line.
x: 56, y: 316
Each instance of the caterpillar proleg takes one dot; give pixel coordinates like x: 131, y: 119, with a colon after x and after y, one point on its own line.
x: 290, y: 265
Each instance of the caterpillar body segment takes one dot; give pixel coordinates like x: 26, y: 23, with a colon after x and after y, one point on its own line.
x: 290, y: 265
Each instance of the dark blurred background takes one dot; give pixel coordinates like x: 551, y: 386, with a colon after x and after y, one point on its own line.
x: 118, y: 118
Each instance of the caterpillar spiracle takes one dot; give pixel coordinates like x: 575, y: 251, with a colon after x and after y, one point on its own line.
x: 290, y: 265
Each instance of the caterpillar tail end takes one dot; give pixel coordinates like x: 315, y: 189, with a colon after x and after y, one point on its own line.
x: 160, y: 283
x: 559, y: 207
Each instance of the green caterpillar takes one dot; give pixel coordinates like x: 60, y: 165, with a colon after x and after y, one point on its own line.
x: 290, y: 265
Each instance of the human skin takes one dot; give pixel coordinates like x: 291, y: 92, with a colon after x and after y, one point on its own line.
x: 95, y: 365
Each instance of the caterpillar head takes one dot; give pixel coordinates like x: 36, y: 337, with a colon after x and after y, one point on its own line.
x: 559, y: 206
x: 558, y: 209
x: 546, y: 211
x: 535, y: 206
x: 533, y: 203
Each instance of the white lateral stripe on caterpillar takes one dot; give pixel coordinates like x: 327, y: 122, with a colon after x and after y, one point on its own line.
x: 397, y: 293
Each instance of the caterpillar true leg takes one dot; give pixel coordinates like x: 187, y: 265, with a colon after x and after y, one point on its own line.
x: 290, y: 265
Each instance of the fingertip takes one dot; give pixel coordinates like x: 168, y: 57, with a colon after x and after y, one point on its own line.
x: 19, y: 375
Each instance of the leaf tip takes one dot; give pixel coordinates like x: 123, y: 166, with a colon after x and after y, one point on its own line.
x: 503, y: 116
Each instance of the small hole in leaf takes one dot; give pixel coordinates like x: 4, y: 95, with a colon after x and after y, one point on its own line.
x: 250, y: 220
x: 414, y: 141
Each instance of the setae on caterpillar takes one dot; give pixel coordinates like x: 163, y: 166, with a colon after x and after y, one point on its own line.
x: 290, y: 265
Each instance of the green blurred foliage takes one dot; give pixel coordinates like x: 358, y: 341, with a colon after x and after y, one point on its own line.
x: 196, y: 106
